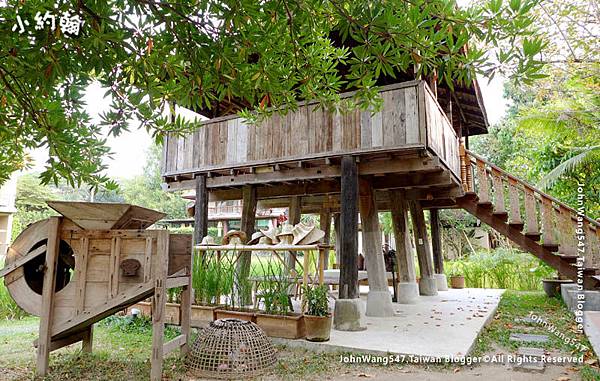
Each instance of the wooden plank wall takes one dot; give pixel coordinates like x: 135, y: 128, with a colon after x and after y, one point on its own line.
x: 310, y: 131
x: 441, y: 137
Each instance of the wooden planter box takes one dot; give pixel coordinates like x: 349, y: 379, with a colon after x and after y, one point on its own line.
x: 285, y: 326
x: 201, y: 315
x: 248, y: 315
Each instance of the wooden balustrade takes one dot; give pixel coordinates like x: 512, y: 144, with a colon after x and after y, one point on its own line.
x: 556, y: 226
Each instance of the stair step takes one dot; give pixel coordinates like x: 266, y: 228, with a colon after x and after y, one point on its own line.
x: 516, y: 225
x: 501, y: 216
x: 536, y: 236
x: 550, y: 246
x: 569, y: 257
x: 471, y: 196
x: 588, y: 270
x: 485, y: 204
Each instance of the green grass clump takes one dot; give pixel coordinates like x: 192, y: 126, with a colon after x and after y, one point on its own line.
x: 8, y: 308
x: 140, y: 325
x: 501, y: 268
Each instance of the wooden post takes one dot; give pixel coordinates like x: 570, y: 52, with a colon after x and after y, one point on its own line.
x: 379, y: 300
x: 295, y: 213
x: 247, y: 225
x: 348, y: 229
x: 325, y: 225
x: 185, y: 309
x: 427, y: 284
x: 52, y: 253
x: 338, y: 238
x: 158, y: 303
x: 200, y: 210
x: 436, y: 242
x: 404, y: 253
x: 88, y: 339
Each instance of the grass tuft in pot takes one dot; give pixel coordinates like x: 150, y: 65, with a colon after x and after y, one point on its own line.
x: 317, y: 318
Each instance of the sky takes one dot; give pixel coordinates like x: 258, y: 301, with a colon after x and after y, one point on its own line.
x: 129, y: 148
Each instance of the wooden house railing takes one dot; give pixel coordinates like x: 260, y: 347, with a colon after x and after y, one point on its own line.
x: 410, y: 119
x: 533, y: 212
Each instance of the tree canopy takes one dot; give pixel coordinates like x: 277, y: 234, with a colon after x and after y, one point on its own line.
x: 150, y: 54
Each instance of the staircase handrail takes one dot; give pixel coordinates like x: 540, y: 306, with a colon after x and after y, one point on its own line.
x: 473, y: 157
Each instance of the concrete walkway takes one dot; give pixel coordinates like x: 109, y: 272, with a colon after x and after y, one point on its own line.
x: 591, y: 327
x: 443, y: 325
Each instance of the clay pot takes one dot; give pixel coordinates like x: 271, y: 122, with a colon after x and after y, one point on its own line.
x: 457, y: 281
x: 317, y: 328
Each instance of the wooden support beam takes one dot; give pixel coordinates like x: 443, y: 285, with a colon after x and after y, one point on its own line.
x: 295, y: 214
x: 46, y: 312
x: 379, y: 300
x: 427, y: 284
x: 185, y: 313
x: 349, y: 229
x: 338, y: 238
x: 327, y: 171
x: 22, y: 260
x: 81, y: 275
x: 325, y: 225
x: 436, y: 242
x: 158, y: 304
x: 178, y: 281
x: 404, y: 253
x: 69, y: 340
x: 201, y: 210
x: 247, y: 225
x: 174, y: 344
x: 87, y: 342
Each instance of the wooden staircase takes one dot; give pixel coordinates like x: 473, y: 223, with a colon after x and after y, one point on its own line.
x: 538, y: 223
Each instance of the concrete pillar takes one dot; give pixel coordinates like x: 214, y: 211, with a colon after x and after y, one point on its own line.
x: 379, y: 299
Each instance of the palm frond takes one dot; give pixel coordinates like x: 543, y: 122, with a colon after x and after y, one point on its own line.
x: 568, y: 165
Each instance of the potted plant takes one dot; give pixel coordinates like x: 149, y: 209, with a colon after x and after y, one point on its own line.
x: 317, y: 319
x: 457, y: 279
x: 278, y: 319
x: 209, y: 281
x: 233, y: 289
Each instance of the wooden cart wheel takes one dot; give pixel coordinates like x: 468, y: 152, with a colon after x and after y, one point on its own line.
x: 25, y: 283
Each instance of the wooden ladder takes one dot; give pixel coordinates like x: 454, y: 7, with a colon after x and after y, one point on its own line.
x: 538, y: 223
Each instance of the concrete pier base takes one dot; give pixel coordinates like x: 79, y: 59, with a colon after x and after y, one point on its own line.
x: 379, y: 304
x: 441, y: 282
x: 349, y: 315
x: 428, y: 286
x: 408, y: 292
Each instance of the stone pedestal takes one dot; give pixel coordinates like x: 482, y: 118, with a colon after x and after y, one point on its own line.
x: 441, y: 282
x: 408, y: 292
x: 379, y: 304
x: 428, y: 286
x: 349, y: 315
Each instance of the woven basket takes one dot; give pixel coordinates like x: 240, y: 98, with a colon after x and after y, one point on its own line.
x: 231, y: 349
